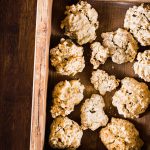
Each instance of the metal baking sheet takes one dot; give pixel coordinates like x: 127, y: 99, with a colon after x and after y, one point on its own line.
x: 111, y: 17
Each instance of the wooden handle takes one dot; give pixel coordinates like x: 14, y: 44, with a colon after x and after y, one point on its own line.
x: 40, y: 77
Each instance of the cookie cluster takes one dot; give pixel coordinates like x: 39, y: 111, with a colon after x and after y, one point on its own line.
x: 131, y: 98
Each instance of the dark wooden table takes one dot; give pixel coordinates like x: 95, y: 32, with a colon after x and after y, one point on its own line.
x: 17, y: 29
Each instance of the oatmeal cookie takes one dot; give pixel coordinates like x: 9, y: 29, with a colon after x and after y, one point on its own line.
x: 99, y: 54
x: 66, y: 95
x: 132, y: 99
x: 81, y: 22
x: 92, y: 113
x: 65, y: 134
x: 67, y: 58
x: 137, y: 20
x: 121, y: 134
x: 121, y: 44
x: 104, y: 82
x: 142, y: 66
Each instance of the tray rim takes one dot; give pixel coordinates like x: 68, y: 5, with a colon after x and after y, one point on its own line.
x: 40, y: 73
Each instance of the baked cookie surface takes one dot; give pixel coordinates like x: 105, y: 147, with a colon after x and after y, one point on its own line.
x: 99, y: 54
x: 137, y: 20
x: 66, y: 95
x: 121, y: 44
x: 120, y: 134
x: 65, y: 134
x: 132, y: 99
x: 67, y: 58
x: 92, y: 113
x: 81, y: 22
x: 104, y: 82
x: 142, y: 66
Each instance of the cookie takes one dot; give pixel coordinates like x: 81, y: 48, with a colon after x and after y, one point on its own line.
x: 65, y: 134
x: 66, y: 95
x: 132, y: 99
x: 137, y: 21
x: 92, y: 113
x: 142, y: 66
x: 81, y: 22
x: 67, y: 58
x: 121, y: 44
x: 99, y: 54
x: 104, y: 82
x: 121, y: 134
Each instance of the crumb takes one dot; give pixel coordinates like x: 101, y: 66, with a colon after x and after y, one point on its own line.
x: 120, y: 134
x: 66, y: 95
x: 81, y: 22
x: 99, y: 54
x: 137, y: 20
x: 142, y: 66
x: 132, y: 99
x: 65, y: 134
x: 92, y: 113
x: 67, y: 58
x: 104, y: 82
x: 121, y: 44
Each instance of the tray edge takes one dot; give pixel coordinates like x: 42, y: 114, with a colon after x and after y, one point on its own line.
x: 40, y: 74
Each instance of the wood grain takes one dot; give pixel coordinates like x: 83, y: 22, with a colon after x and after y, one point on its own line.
x: 17, y: 33
x: 40, y: 77
x: 111, y: 16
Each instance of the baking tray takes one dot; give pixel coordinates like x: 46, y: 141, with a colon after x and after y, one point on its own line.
x: 111, y: 17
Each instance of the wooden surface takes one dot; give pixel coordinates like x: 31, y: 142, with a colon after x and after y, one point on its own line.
x: 41, y: 69
x: 111, y: 16
x: 17, y: 32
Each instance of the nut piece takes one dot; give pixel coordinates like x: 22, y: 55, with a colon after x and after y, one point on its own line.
x: 65, y: 134
x: 81, y: 22
x: 92, y: 113
x: 121, y: 134
x: 137, y: 20
x: 121, y: 44
x: 103, y: 82
x: 142, y: 66
x: 132, y: 99
x: 99, y: 54
x: 67, y: 58
x: 66, y: 95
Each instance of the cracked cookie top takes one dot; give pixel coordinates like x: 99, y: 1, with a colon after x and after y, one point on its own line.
x: 65, y: 134
x: 142, y: 66
x: 99, y: 54
x: 104, y: 82
x: 66, y: 95
x: 121, y: 44
x: 67, y: 58
x: 81, y: 22
x: 137, y: 20
x: 92, y: 113
x: 121, y: 134
x: 132, y: 99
